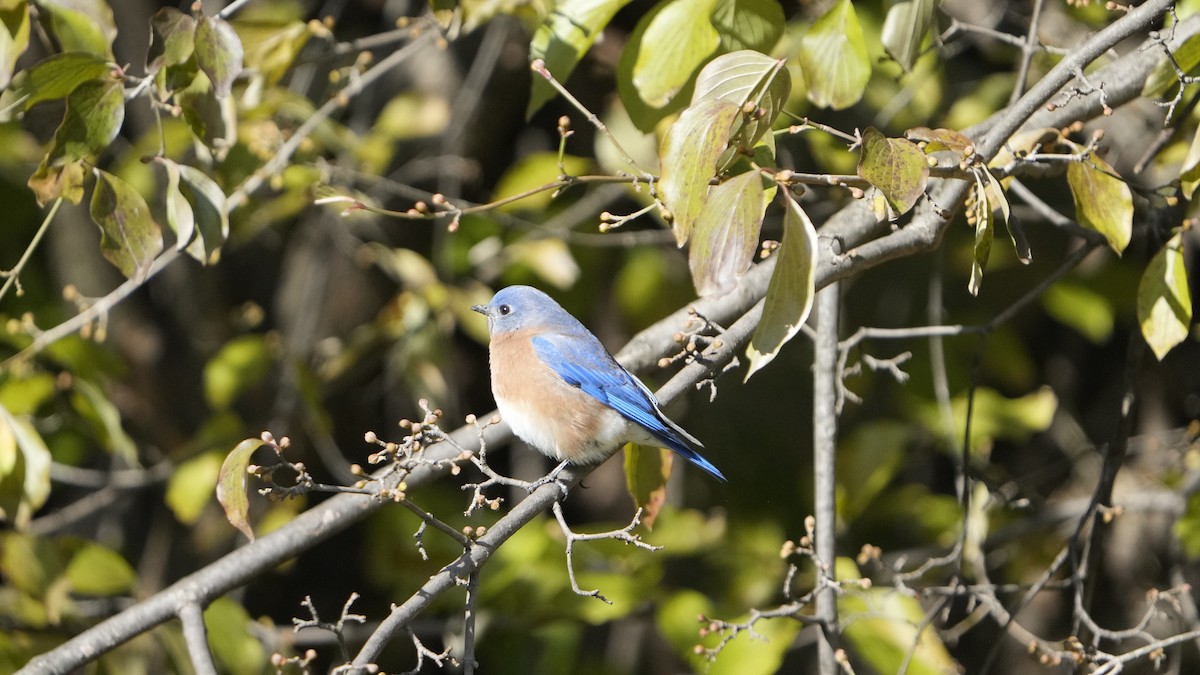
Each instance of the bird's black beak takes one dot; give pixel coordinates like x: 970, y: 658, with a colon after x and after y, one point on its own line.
x: 482, y: 309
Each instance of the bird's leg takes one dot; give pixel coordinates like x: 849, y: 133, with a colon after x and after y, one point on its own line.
x: 552, y: 477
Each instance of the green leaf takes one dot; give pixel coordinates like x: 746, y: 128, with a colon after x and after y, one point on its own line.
x: 172, y: 39
x: 82, y: 25
x: 1163, y: 78
x: 833, y: 57
x: 531, y: 172
x: 1189, y: 172
x: 677, y: 41
x: 883, y: 625
x: 790, y: 294
x: 1103, y: 201
x: 97, y: 570
x: 95, y: 113
x: 980, y: 216
x: 232, y: 638
x: 232, y: 488
x: 94, y: 404
x: 271, y: 47
x: 746, y: 77
x: 1164, y: 302
x: 24, y: 394
x: 646, y: 472
x: 180, y: 217
x: 998, y: 203
x: 218, y: 53
x: 208, y: 204
x: 894, y: 165
x: 688, y: 157
x: 748, y: 24
x: 1091, y: 314
x: 56, y: 76
x: 563, y: 37
x: 1187, y: 528
x: 241, y: 363
x: 213, y: 120
x: 191, y: 486
x: 14, y: 37
x: 52, y: 182
x: 726, y: 236
x: 668, y: 44
x: 129, y: 237
x: 904, y: 30
x: 24, y: 469
x: 936, y: 140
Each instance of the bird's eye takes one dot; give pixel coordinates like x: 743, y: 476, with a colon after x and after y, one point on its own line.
x: 505, y: 310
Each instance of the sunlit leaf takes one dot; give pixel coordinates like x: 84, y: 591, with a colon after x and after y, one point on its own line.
x: 65, y: 180
x: 790, y: 294
x: 1164, y: 78
x: 14, y: 36
x: 1091, y: 314
x: 231, y: 636
x: 894, y: 165
x: 534, y: 171
x: 998, y: 204
x: 883, y: 626
x: 688, y: 157
x: 1164, y: 301
x: 271, y: 47
x: 218, y: 53
x: 95, y: 112
x: 563, y: 37
x: 24, y: 469
x: 746, y: 77
x: 82, y: 25
x: 1189, y: 172
x: 980, y: 217
x: 129, y: 237
x: 833, y: 56
x: 904, y: 30
x: 748, y: 24
x: 549, y: 258
x: 191, y: 486
x: 1103, y: 202
x: 726, y: 236
x: 646, y: 472
x: 100, y: 571
x: 677, y: 41
x: 56, y: 76
x: 241, y: 363
x: 936, y: 140
x: 232, y: 485
x: 23, y: 395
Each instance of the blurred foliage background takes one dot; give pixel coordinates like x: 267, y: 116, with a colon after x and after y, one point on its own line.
x: 322, y: 326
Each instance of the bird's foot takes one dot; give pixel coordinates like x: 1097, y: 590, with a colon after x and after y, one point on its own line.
x: 552, y: 477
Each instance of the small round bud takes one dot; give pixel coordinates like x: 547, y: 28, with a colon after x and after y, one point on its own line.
x: 370, y: 437
x: 471, y: 419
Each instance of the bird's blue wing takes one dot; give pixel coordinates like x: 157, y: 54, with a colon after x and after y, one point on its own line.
x: 583, y: 362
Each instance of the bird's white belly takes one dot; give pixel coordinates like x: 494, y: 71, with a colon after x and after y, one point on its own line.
x: 571, y: 432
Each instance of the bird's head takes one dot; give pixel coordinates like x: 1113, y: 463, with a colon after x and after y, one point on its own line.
x: 517, y: 307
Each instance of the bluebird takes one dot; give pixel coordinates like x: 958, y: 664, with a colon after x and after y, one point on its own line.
x: 563, y: 393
